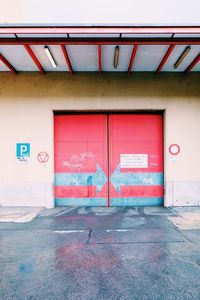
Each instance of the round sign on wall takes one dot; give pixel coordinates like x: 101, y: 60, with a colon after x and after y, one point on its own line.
x: 43, y: 157
x: 174, y: 149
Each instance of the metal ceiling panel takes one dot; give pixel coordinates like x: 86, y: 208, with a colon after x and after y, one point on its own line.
x: 83, y: 58
x: 42, y: 35
x: 169, y: 65
x: 108, y: 53
x: 7, y: 35
x: 95, y: 35
x: 146, y: 35
x: 3, y: 68
x: 148, y: 58
x: 186, y: 35
x: 57, y: 55
x: 18, y: 58
x: 196, y: 68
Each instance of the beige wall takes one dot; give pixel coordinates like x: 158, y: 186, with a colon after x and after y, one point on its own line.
x: 27, y: 102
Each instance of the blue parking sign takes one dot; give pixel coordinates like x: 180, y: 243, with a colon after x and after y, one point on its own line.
x: 23, y: 151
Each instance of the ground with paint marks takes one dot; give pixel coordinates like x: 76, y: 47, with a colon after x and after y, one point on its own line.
x: 101, y: 253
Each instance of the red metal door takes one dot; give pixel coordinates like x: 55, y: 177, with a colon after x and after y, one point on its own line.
x: 81, y: 160
x: 135, y: 160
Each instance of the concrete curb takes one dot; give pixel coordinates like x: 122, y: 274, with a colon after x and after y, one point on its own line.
x: 19, y: 215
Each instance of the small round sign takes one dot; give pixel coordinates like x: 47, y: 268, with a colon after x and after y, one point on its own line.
x: 174, y: 149
x: 43, y: 157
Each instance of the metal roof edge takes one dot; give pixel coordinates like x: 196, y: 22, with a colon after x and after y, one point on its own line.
x: 99, y: 25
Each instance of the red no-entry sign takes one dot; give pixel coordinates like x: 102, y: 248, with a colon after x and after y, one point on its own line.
x: 43, y: 157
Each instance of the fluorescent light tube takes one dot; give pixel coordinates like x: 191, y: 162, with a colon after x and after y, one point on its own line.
x: 116, y: 57
x: 50, y: 57
x: 182, y: 56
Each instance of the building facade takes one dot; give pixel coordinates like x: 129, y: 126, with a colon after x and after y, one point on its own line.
x: 99, y: 115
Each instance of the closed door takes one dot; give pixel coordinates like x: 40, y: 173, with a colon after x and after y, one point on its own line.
x: 108, y: 160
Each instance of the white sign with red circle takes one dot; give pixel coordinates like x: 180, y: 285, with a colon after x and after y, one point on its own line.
x: 174, y: 149
x: 43, y: 157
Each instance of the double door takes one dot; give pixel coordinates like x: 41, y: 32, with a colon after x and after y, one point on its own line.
x: 108, y: 160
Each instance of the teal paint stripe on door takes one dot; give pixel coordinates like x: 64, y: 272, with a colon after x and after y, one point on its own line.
x: 137, y: 201
x: 94, y: 201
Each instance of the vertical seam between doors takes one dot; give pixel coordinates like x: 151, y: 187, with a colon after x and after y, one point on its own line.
x: 108, y: 160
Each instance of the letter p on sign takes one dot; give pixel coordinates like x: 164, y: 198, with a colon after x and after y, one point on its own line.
x: 23, y: 150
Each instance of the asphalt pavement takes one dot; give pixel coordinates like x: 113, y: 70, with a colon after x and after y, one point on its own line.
x: 102, y: 253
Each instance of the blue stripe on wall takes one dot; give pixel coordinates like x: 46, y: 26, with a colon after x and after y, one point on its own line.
x: 81, y: 201
x: 148, y: 201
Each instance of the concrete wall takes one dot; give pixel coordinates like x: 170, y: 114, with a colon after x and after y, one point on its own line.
x: 27, y: 102
x: 100, y: 12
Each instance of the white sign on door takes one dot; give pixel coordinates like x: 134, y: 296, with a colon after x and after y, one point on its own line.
x: 133, y: 160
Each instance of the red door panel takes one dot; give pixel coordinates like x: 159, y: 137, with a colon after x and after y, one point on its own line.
x: 136, y: 160
x: 81, y: 160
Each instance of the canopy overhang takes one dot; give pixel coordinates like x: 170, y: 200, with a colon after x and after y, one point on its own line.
x: 152, y: 49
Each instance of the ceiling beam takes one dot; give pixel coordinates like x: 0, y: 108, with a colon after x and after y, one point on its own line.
x: 100, y: 41
x: 165, y: 58
x: 34, y: 58
x: 7, y: 64
x: 132, y: 58
x: 101, y: 30
x: 64, y: 50
x: 99, y: 59
x: 193, y: 63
